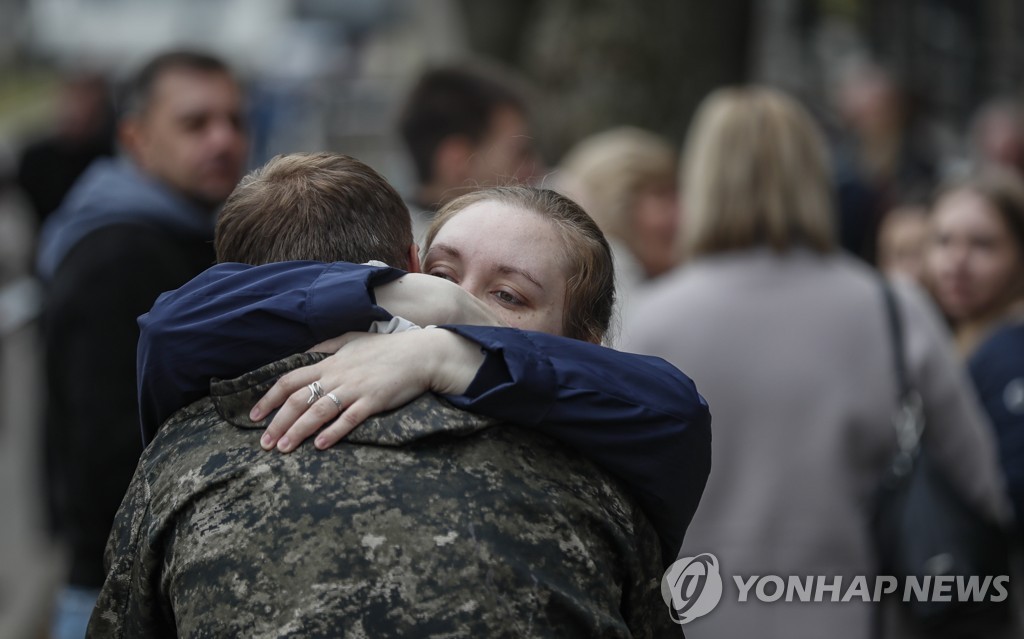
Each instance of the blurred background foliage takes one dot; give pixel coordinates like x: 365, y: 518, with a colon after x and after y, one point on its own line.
x: 331, y: 74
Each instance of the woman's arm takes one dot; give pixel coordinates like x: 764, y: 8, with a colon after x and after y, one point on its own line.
x: 234, y: 318
x: 638, y: 417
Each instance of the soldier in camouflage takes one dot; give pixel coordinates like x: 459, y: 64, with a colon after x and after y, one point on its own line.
x: 426, y: 521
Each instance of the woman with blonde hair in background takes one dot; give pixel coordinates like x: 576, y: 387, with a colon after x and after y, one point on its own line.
x: 789, y: 340
x: 626, y: 179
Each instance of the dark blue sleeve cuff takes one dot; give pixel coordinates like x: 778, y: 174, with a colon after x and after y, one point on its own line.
x: 516, y: 383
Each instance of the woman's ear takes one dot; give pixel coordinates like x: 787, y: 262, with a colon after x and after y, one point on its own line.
x: 414, y: 259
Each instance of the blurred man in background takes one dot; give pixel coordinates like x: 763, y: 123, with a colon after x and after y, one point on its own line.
x: 48, y: 167
x: 129, y: 229
x: 885, y: 157
x: 996, y: 135
x: 464, y: 130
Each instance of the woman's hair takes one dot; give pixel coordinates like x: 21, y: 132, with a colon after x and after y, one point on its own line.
x: 590, y: 289
x: 610, y: 168
x: 756, y: 174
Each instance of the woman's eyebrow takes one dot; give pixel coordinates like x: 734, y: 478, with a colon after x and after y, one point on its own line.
x: 449, y: 251
x: 504, y: 269
x: 511, y: 270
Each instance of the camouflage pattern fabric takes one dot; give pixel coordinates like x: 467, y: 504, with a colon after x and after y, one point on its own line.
x: 425, y: 522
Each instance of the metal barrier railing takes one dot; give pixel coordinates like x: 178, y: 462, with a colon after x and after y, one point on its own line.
x: 21, y: 303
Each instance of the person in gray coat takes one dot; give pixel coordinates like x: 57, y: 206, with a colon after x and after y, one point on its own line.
x: 788, y: 338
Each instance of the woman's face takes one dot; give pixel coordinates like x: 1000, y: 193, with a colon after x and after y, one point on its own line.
x: 655, y: 225
x: 973, y: 263
x: 510, y: 258
x: 903, y: 243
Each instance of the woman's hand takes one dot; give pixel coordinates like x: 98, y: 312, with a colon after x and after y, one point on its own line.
x: 369, y: 374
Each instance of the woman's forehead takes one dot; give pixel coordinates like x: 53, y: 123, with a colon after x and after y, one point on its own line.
x: 503, y: 233
x: 488, y: 222
x: 966, y: 208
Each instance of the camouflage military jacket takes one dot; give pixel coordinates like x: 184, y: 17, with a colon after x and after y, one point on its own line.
x: 424, y: 522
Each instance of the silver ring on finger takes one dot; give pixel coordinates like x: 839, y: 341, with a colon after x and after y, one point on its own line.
x: 316, y: 391
x: 334, y: 398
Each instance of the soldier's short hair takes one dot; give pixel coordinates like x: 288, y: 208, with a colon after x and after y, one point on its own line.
x: 325, y: 207
x: 138, y: 92
x: 452, y: 101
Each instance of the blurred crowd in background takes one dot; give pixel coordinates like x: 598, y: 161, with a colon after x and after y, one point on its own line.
x: 908, y: 93
x: 920, y: 102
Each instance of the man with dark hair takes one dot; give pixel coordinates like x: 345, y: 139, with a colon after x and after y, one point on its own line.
x: 464, y: 130
x: 129, y: 229
x: 424, y: 522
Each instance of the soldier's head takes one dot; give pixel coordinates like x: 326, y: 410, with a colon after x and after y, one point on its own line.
x: 533, y: 255
x: 466, y: 130
x: 326, y: 207
x: 182, y: 123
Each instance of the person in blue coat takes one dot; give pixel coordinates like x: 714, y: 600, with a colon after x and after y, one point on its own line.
x: 975, y: 266
x: 526, y: 258
x: 997, y: 370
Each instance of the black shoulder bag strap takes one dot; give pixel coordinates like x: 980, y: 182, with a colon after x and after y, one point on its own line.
x: 896, y: 338
x: 909, y: 421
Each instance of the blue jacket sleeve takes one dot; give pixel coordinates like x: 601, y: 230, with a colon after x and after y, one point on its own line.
x: 233, y: 318
x: 637, y: 416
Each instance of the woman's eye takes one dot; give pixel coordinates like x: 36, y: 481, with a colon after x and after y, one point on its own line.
x: 508, y: 298
x: 983, y: 244
x: 442, y: 275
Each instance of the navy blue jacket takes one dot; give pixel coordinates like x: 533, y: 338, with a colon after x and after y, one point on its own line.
x: 637, y: 416
x: 997, y: 369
